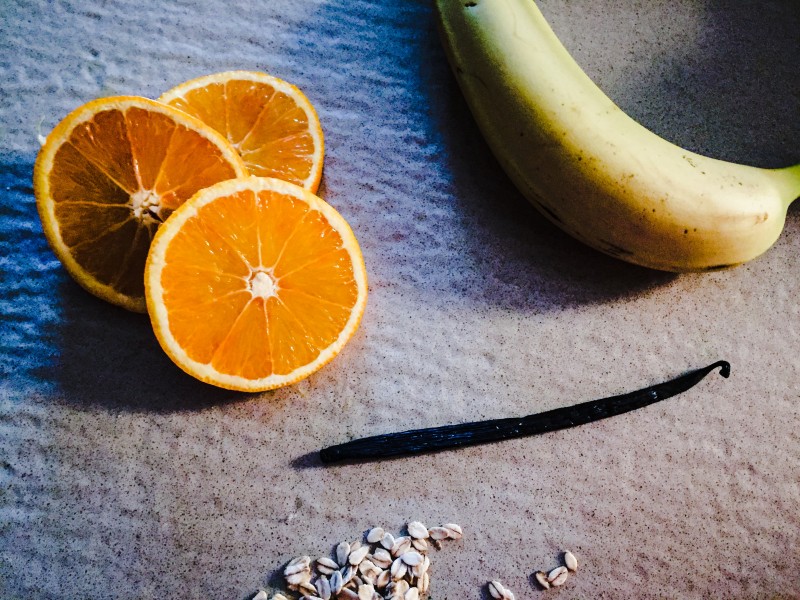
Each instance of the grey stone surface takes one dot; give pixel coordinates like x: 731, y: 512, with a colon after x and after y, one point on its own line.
x: 121, y: 477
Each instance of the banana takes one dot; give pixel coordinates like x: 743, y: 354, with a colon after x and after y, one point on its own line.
x: 590, y: 168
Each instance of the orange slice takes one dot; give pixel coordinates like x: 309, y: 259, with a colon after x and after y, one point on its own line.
x: 269, y: 121
x: 109, y: 174
x: 254, y: 284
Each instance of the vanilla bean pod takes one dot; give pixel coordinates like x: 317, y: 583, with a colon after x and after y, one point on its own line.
x: 467, y: 434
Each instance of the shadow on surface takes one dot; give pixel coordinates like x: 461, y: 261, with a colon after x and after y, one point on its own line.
x: 717, y: 77
x: 309, y: 460
x: 110, y: 357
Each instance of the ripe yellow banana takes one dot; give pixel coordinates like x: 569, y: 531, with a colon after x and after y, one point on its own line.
x: 589, y: 167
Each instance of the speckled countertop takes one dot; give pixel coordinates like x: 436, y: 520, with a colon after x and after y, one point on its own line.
x: 120, y: 477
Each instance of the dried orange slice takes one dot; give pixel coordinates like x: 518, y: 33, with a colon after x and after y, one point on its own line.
x: 269, y: 121
x: 254, y: 284
x: 108, y: 174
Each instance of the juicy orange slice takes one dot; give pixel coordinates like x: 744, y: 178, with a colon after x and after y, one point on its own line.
x: 109, y: 174
x: 269, y: 121
x: 254, y: 284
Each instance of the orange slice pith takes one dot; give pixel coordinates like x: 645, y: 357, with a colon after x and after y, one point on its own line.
x: 108, y: 174
x: 270, y: 122
x: 254, y: 284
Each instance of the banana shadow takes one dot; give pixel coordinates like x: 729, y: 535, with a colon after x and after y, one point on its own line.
x: 727, y: 86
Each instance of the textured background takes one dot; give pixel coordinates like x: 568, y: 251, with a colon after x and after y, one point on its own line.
x: 120, y: 477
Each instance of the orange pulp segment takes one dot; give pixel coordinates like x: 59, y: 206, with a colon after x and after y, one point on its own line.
x: 254, y: 284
